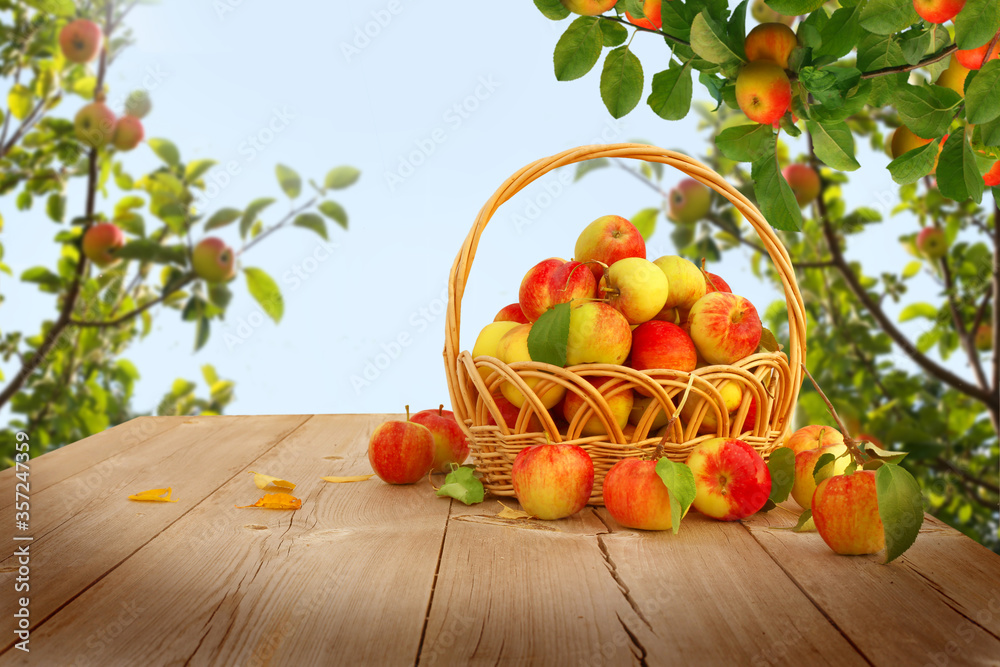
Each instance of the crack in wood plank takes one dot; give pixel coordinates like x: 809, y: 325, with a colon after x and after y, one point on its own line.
x: 636, y: 644
x: 622, y: 586
x: 430, y: 598
x: 523, y: 524
x: 947, y: 599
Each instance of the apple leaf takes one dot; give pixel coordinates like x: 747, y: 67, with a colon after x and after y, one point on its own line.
x: 334, y: 211
x: 926, y: 110
x: 710, y: 40
x: 982, y: 95
x: 834, y: 144
x: 165, y: 150
x: 805, y: 523
x: 679, y: 480
x: 196, y: 169
x: 645, y: 222
x: 745, y: 143
x: 583, y: 168
x: 882, y: 454
x: 900, y: 507
x: 914, y: 165
x: 263, y: 288
x: 549, y: 336
x: 579, y: 48
x: 823, y: 461
x: 781, y: 465
x: 774, y: 195
x: 768, y: 343
x: 794, y: 7
x: 613, y: 34
x: 463, y: 485
x: 289, y: 180
x: 633, y: 7
x: 223, y: 217
x: 253, y: 209
x: 990, y: 133
x: 311, y: 221
x: 552, y: 9
x: 885, y: 17
x: 670, y: 98
x: 621, y: 81
x: 339, y: 178
x: 976, y: 24
x: 958, y: 175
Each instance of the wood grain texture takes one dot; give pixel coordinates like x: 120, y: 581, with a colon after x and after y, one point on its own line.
x: 83, y: 531
x: 893, y: 613
x: 346, y: 578
x: 711, y: 595
x: 90, y: 454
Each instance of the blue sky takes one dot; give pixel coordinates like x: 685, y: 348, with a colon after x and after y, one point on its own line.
x: 436, y: 109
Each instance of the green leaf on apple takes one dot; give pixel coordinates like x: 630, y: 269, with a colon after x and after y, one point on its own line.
x: 745, y: 143
x: 579, y: 48
x: 679, y: 480
x: 196, y: 169
x: 805, y: 523
x: 462, y: 485
x: 834, y: 144
x: 263, y: 288
x: 549, y: 336
x: 670, y: 98
x: 223, y: 217
x: 711, y: 41
x: 621, y: 81
x: 822, y: 462
x: 552, y: 9
x: 774, y: 196
x: 781, y: 466
x: 768, y: 343
x: 885, y: 17
x: 289, y: 180
x: 926, y: 110
x: 794, y: 7
x: 880, y: 454
x: 613, y: 34
x: 958, y: 175
x: 645, y: 222
x: 976, y: 24
x: 633, y: 7
x: 914, y: 165
x: 901, y: 508
x: 253, y: 209
x: 982, y: 94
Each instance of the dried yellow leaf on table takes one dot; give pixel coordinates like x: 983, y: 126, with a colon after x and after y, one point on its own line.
x: 263, y: 481
x: 276, y: 501
x: 509, y: 513
x: 154, y: 495
x: 343, y: 480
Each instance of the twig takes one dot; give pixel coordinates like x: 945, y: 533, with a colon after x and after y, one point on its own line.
x: 618, y: 19
x: 134, y: 312
x: 896, y: 69
x: 281, y: 223
x: 965, y: 336
x: 849, y: 440
x: 964, y: 474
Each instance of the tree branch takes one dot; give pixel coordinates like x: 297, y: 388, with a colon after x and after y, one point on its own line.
x: 967, y: 476
x: 896, y: 69
x: 965, y: 336
x: 125, y: 317
x: 281, y: 223
x: 29, y: 121
x: 996, y: 297
x: 618, y: 19
x: 934, y: 369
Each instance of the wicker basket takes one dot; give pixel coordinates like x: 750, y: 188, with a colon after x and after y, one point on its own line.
x: 771, y: 378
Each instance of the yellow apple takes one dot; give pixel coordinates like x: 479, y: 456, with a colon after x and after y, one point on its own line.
x: 513, y: 347
x: 486, y: 343
x: 636, y: 288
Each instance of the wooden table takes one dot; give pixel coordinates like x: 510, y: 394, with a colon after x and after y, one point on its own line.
x: 366, y: 573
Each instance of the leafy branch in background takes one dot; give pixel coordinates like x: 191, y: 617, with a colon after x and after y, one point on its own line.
x: 132, y: 245
x: 859, y: 70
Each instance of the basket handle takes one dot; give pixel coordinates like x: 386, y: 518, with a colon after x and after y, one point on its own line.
x: 775, y: 249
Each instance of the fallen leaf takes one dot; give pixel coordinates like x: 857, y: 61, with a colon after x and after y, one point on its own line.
x: 343, y: 480
x: 263, y: 481
x: 509, y: 513
x: 276, y: 501
x: 463, y: 485
x: 154, y: 495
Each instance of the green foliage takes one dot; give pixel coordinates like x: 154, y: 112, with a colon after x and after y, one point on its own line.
x: 549, y: 336
x: 73, y: 379
x: 679, y: 480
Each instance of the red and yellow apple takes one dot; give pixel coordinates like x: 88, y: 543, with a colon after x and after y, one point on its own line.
x: 984, y: 337
x: 80, y: 40
x: 511, y: 313
x: 717, y: 283
x: 804, y: 182
x: 954, y: 77
x: 938, y: 11
x: 598, y: 334
x: 763, y: 92
x: 636, y: 497
x: 813, y: 436
x: 651, y: 11
x: 750, y: 421
x: 657, y: 345
x: 845, y: 511
x: 976, y: 58
x: 94, y: 124
x: 732, y: 396
x: 138, y: 104
x: 636, y: 288
x: 770, y: 42
x: 685, y: 282
x: 554, y: 281
x: 588, y: 7
x: 992, y: 177
x: 552, y: 481
x: 724, y: 327
x: 689, y: 201
x: 127, y: 134
x: 904, y: 141
x: 513, y: 347
x: 764, y: 14
x: 487, y: 342
x: 639, y: 406
x: 805, y: 464
x: 450, y: 443
x: 608, y: 239
x: 932, y: 243
x: 510, y: 414
x: 213, y: 261
x: 619, y: 402
x: 100, y: 243
x: 731, y: 479
x: 401, y: 452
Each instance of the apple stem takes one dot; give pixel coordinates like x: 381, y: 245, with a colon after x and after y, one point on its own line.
x: 441, y: 410
x: 429, y: 473
x: 407, y: 413
x: 708, y: 280
x: 851, y: 443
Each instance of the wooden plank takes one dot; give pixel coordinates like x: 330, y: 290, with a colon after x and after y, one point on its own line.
x: 92, y: 454
x: 82, y: 533
x: 535, y: 592
x: 712, y: 596
x: 346, y: 578
x: 893, y: 613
